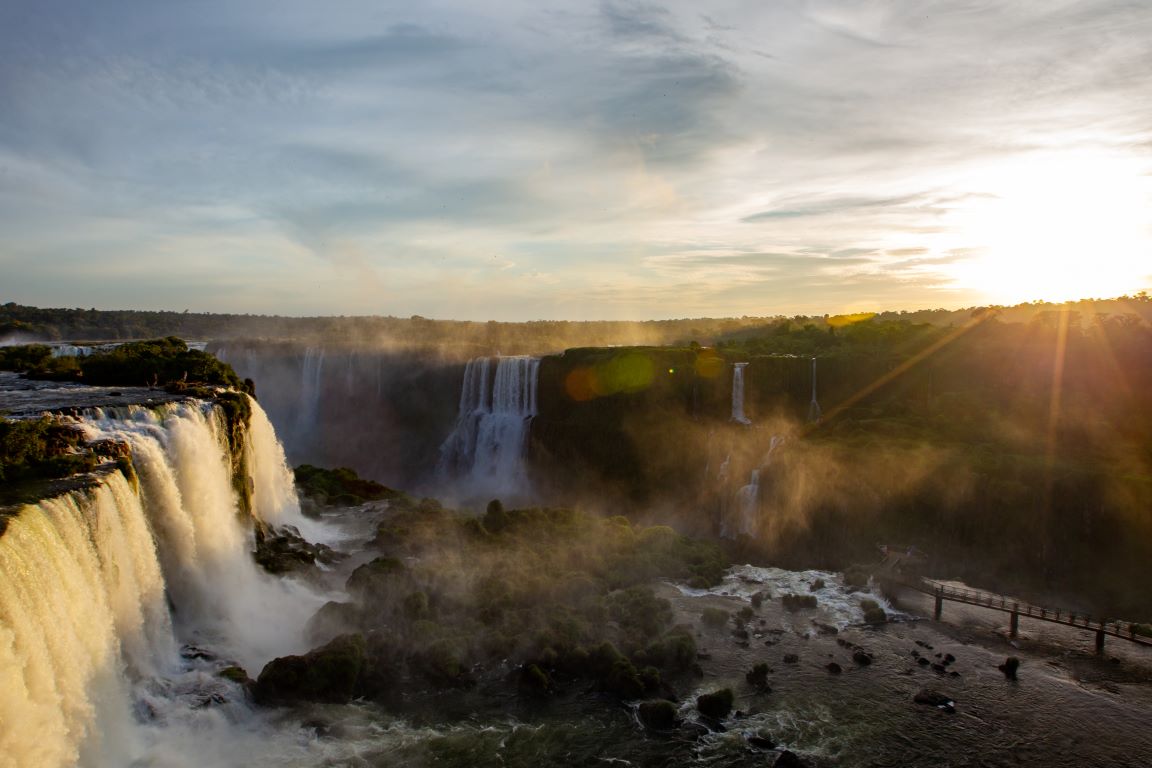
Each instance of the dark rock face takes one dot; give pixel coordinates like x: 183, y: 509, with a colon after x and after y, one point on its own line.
x: 861, y: 657
x: 659, y: 715
x: 833, y: 668
x: 331, y: 673
x: 1009, y: 667
x: 791, y: 658
x: 716, y: 705
x: 788, y: 759
x: 932, y: 698
x: 284, y: 550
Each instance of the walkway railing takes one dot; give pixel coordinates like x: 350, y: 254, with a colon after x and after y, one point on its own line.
x: 1125, y: 630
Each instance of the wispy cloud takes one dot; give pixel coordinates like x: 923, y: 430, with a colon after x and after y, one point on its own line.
x: 532, y: 159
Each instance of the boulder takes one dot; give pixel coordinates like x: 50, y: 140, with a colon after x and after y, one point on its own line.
x: 328, y: 674
x: 1009, y: 667
x: 659, y: 714
x: 788, y: 759
x: 862, y: 657
x: 936, y: 699
x: 716, y: 705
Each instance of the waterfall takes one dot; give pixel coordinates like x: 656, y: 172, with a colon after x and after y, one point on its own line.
x: 814, y: 412
x: 308, y: 412
x: 484, y: 455
x: 100, y: 585
x: 747, y: 507
x: 738, y: 394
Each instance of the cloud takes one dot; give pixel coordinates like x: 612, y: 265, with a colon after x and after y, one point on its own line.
x: 614, y: 156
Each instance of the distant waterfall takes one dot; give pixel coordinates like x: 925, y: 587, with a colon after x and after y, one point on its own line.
x: 312, y: 371
x: 484, y: 455
x: 738, y: 394
x: 814, y: 412
x: 87, y: 636
x: 746, y: 517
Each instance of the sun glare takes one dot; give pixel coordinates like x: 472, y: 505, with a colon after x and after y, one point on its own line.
x: 1055, y: 229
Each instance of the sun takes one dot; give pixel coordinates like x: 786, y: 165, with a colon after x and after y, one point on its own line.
x: 1054, y: 228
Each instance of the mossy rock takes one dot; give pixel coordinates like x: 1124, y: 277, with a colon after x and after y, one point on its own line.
x: 327, y: 674
x: 716, y: 705
x: 659, y: 714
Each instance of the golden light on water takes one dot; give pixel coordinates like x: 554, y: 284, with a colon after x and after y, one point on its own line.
x: 1056, y: 228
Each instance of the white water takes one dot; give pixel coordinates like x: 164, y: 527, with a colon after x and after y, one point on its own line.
x: 308, y: 411
x: 89, y: 669
x: 484, y: 455
x: 738, y: 394
x: 837, y: 605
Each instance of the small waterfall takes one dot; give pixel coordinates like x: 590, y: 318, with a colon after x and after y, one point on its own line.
x: 484, y: 455
x: 814, y: 412
x: 738, y: 394
x: 308, y: 411
x: 747, y: 507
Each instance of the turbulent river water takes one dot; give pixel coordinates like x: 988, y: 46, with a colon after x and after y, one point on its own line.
x: 120, y: 603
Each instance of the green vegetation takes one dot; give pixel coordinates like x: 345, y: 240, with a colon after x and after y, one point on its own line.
x: 562, y: 593
x: 340, y: 486
x: 25, y: 357
x: 41, y: 449
x: 166, y: 362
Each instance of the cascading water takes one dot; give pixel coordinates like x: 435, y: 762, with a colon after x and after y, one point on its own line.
x: 88, y: 662
x: 484, y: 455
x: 738, y: 394
x: 747, y: 512
x: 308, y: 412
x: 814, y: 412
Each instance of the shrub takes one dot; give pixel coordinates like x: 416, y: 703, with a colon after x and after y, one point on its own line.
x: 716, y: 705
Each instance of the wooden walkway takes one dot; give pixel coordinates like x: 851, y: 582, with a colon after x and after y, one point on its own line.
x: 1125, y: 630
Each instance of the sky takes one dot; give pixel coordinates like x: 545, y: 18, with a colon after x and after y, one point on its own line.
x: 573, y: 160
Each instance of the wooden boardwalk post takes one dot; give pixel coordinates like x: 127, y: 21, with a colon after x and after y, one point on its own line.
x: 1014, y: 624
x: 1100, y: 640
x: 939, y: 602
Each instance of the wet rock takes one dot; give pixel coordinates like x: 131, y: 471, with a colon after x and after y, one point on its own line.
x: 922, y: 661
x: 949, y: 658
x: 833, y: 668
x: 659, y: 715
x: 694, y: 731
x: 740, y: 633
x: 862, y: 657
x: 715, y: 705
x: 760, y: 742
x: 1009, y: 667
x: 788, y: 759
x: 791, y: 658
x: 936, y: 699
x: 873, y: 613
x: 195, y: 652
x: 940, y: 668
x: 816, y: 585
x: 923, y: 644
x: 327, y: 674
x: 759, y: 597
x: 825, y: 629
x: 235, y: 674
x: 757, y: 677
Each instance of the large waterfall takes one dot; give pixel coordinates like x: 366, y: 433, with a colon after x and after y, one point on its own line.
x: 484, y: 455
x: 100, y: 587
